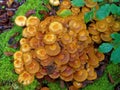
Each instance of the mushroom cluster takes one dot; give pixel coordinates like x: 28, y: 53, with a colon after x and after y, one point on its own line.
x: 101, y: 30
x: 61, y: 47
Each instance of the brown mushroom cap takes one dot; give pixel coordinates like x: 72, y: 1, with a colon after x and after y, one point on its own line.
x: 18, y: 63
x: 67, y: 72
x: 25, y: 48
x: 47, y: 62
x: 44, y: 88
x: 116, y: 26
x: 27, y: 58
x: 77, y: 84
x: 34, y: 43
x: 92, y: 77
x: 33, y: 21
x: 66, y: 4
x: 25, y: 78
x: 75, y: 63
x: 31, y: 30
x: 53, y: 49
x: 96, y: 38
x: 20, y: 20
x: 55, y: 27
x: 66, y: 38
x: 18, y: 55
x: 105, y: 37
x: 49, y: 38
x: 62, y: 58
x: 90, y: 3
x: 41, y: 53
x: 55, y: 75
x: 39, y: 75
x: 80, y: 75
x: 73, y: 88
x: 83, y: 35
x: 23, y: 41
x: 68, y: 78
x: 33, y: 67
x: 19, y: 70
x: 101, y: 26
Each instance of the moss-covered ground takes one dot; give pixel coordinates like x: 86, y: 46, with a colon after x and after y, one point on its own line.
x: 8, y: 78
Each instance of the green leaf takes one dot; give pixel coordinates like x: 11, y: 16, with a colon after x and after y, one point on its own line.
x: 114, y: 9
x: 115, y: 36
x: 98, y: 0
x: 103, y: 12
x: 78, y: 3
x: 105, y: 47
x: 89, y: 16
x: 115, y: 56
x: 114, y: 0
x: 65, y: 13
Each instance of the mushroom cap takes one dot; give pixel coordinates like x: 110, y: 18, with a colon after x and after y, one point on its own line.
x: 25, y: 48
x: 18, y: 55
x: 23, y: 41
x: 44, y: 88
x: 105, y: 37
x: 33, y: 67
x: 49, y: 38
x: 75, y: 10
x: 83, y: 35
x: 53, y: 49
x: 47, y: 62
x: 77, y: 84
x: 90, y: 3
x: 101, y: 26
x: 20, y: 20
x: 39, y: 75
x: 116, y: 26
x: 25, y: 33
x: 68, y: 78
x: 85, y: 9
x: 19, y: 70
x: 18, y: 63
x: 96, y: 38
x: 67, y: 72
x: 73, y: 88
x: 100, y: 56
x: 66, y: 38
x: 34, y: 43
x: 54, y: 2
x: 55, y: 27
x: 74, y: 24
x: 92, y: 77
x: 31, y: 30
x: 62, y: 58
x: 55, y: 75
x: 27, y: 58
x: 25, y: 78
x: 33, y: 21
x: 80, y: 75
x: 92, y: 29
x: 75, y: 63
x: 65, y: 4
x: 41, y: 53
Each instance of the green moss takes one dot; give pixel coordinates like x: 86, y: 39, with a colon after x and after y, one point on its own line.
x: 103, y: 82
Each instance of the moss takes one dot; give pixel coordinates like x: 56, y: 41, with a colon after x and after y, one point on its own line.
x: 103, y: 82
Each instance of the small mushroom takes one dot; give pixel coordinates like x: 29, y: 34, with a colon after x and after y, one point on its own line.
x: 80, y: 75
x: 39, y: 75
x: 18, y: 55
x: 34, y: 43
x: 25, y: 78
x: 75, y: 10
x: 53, y: 49
x: 105, y: 36
x: 18, y: 63
x: 41, y: 53
x: 83, y: 35
x: 25, y: 48
x: 49, y: 38
x: 73, y: 88
x: 96, y: 38
x: 54, y: 2
x: 33, y: 21
x: 23, y: 41
x: 77, y: 84
x: 90, y: 3
x: 62, y: 58
x: 55, y: 27
x: 65, y: 4
x: 19, y: 70
x: 68, y: 78
x: 20, y: 20
x: 27, y: 58
x: 66, y: 38
x: 75, y: 63
x: 33, y: 67
x: 101, y: 26
x: 54, y: 75
x: 44, y: 88
x: 31, y: 30
x: 116, y: 26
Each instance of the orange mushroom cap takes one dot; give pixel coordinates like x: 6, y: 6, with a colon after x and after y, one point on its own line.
x: 20, y: 20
